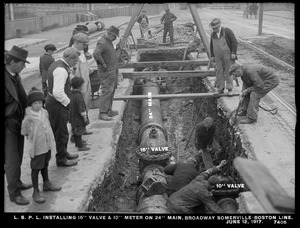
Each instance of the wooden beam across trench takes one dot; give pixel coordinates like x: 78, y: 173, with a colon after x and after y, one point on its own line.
x: 170, y: 74
x: 166, y: 64
x: 168, y: 96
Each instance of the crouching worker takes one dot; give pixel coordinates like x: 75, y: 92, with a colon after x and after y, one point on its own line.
x: 78, y: 115
x: 36, y: 127
x: 258, y: 80
x: 204, y: 135
x: 182, y: 174
x: 196, y: 193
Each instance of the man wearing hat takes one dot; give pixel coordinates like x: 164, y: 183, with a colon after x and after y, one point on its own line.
x: 57, y: 104
x: 167, y: 19
x: 143, y: 22
x: 223, y: 47
x: 81, y: 29
x: 107, y: 61
x: 45, y: 61
x: 258, y: 80
x: 82, y: 68
x: 15, y: 104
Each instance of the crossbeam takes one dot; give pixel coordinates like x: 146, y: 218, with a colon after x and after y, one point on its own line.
x: 171, y: 74
x: 168, y: 96
x: 163, y: 64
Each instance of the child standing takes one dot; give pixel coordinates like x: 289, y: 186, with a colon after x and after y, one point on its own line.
x: 45, y: 61
x: 78, y: 113
x: 36, y: 127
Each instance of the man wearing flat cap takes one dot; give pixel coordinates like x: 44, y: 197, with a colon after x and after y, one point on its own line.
x: 223, y: 47
x: 258, y: 80
x: 107, y: 62
x: 15, y: 104
x: 82, y: 68
x: 81, y: 29
x: 45, y: 61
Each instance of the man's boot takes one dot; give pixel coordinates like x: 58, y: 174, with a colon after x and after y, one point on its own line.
x: 37, y: 197
x: 48, y: 186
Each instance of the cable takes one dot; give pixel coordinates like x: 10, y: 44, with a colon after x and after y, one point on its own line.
x: 273, y: 111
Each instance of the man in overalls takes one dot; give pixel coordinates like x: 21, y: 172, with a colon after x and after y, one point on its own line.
x: 167, y: 19
x: 223, y: 47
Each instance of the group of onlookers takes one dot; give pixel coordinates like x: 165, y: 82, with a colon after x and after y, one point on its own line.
x: 42, y: 116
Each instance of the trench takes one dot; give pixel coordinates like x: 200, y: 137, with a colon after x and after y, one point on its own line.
x: 118, y: 191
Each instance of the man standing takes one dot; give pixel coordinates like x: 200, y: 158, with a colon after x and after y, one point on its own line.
x: 15, y: 104
x: 258, y: 80
x: 107, y: 61
x: 143, y: 22
x: 167, y: 19
x: 45, y: 61
x: 82, y: 68
x: 57, y: 104
x: 223, y: 47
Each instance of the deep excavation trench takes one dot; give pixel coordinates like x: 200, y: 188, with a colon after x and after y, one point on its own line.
x: 117, y: 191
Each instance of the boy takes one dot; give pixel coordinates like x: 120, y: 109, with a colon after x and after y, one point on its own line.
x: 45, y: 61
x: 36, y: 127
x: 78, y: 113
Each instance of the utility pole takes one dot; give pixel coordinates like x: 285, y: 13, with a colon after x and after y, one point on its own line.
x: 260, y: 18
x: 11, y: 11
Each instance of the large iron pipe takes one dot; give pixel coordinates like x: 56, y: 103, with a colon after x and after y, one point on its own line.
x: 153, y: 155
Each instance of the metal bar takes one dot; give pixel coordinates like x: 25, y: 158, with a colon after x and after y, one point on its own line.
x: 171, y: 74
x: 167, y: 96
x: 165, y: 64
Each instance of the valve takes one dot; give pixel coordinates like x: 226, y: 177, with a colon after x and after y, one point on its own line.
x: 153, y: 133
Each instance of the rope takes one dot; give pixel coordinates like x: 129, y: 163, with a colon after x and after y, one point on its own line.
x: 273, y: 111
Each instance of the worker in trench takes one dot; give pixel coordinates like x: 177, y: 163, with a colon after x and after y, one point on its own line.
x: 204, y: 135
x: 182, y: 174
x: 258, y: 80
x: 195, y: 196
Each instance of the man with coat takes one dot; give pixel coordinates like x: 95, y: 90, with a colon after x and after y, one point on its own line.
x: 15, y: 104
x: 258, y: 80
x: 57, y: 104
x: 182, y: 174
x: 196, y: 193
x: 107, y: 62
x: 45, y: 61
x: 167, y: 19
x: 204, y: 135
x: 223, y: 47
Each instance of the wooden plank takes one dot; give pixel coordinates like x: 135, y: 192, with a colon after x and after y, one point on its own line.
x: 171, y: 74
x: 150, y: 44
x: 163, y: 64
x: 264, y: 186
x: 200, y: 28
x: 168, y: 96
